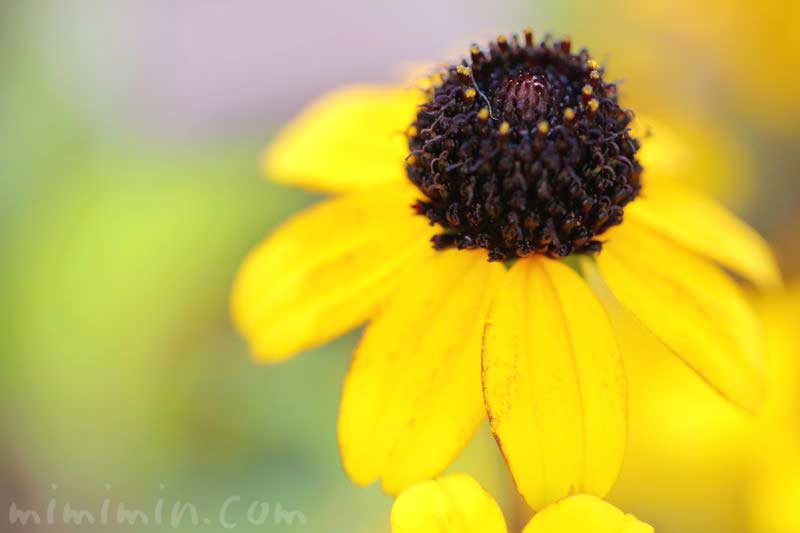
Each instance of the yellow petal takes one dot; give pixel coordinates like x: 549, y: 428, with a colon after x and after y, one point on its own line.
x: 693, y: 152
x: 584, y: 514
x: 691, y: 305
x: 353, y: 138
x: 451, y: 504
x: 323, y: 272
x: 412, y: 397
x: 705, y: 227
x: 774, y: 493
x: 554, y: 384
x: 779, y: 311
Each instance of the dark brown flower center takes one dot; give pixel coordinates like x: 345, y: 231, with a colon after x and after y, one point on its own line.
x: 523, y: 150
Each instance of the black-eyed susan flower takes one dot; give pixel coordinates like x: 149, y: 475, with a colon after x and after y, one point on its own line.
x: 458, y: 504
x: 457, y: 214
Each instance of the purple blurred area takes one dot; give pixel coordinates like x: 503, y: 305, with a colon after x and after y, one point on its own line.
x: 184, y: 67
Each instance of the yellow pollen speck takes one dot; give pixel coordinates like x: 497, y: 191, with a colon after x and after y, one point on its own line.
x: 587, y: 90
x: 412, y: 131
x: 501, y: 39
x: 505, y: 128
x: 412, y: 160
x: 592, y: 64
x: 543, y: 127
x: 594, y: 104
x: 594, y: 75
x: 475, y: 51
x: 470, y: 93
x: 483, y: 114
x: 464, y: 71
x: 569, y: 113
x: 528, y: 34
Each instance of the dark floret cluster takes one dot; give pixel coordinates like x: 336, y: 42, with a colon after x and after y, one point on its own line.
x: 523, y: 149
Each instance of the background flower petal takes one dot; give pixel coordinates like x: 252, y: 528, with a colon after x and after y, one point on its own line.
x: 412, y: 396
x: 554, y: 384
x: 691, y: 305
x: 451, y: 504
x: 696, y: 152
x: 697, y: 222
x: 584, y: 513
x: 352, y: 138
x: 324, y: 271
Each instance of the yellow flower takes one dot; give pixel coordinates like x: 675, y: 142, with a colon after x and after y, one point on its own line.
x: 749, y: 467
x: 458, y: 504
x: 498, y: 163
x: 754, y: 46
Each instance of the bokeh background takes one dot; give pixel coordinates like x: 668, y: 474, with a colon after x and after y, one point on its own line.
x: 130, y: 190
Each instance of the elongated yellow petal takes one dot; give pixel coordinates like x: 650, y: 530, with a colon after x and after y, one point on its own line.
x: 553, y: 383
x: 324, y: 271
x: 705, y: 227
x: 353, y: 138
x: 694, y: 153
x: 691, y: 305
x: 451, y: 504
x: 412, y: 397
x: 775, y: 491
x: 584, y: 514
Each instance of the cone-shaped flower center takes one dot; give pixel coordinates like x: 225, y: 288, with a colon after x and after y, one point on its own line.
x: 524, y: 150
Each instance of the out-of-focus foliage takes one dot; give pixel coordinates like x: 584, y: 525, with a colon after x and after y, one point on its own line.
x: 121, y: 376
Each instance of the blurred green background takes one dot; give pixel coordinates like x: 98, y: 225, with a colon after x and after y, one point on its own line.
x: 130, y: 191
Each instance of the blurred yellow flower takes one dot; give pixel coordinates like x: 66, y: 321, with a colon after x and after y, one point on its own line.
x: 754, y: 46
x: 458, y: 504
x: 453, y: 336
x: 715, y: 465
